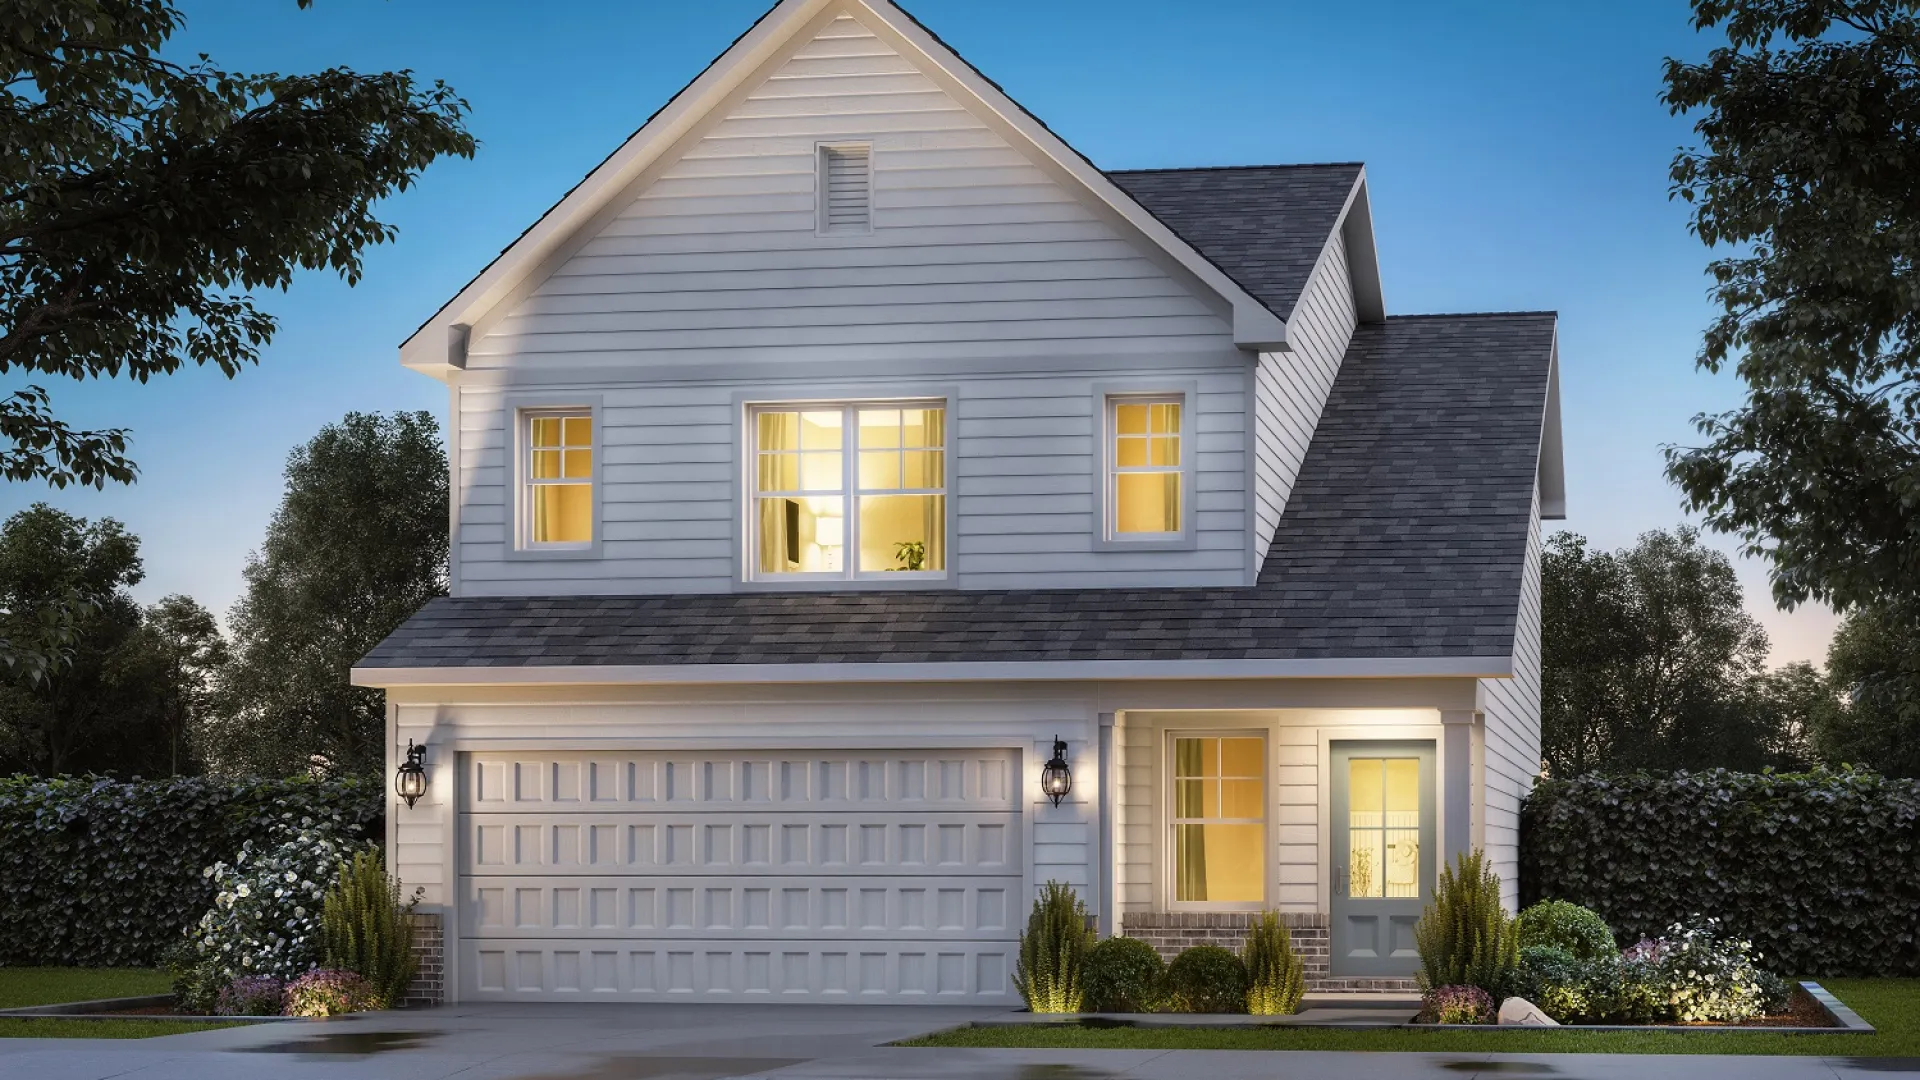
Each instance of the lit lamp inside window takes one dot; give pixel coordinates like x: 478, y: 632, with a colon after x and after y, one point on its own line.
x: 1056, y: 779
x: 410, y: 781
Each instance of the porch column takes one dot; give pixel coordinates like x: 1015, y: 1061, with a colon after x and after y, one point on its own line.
x: 1456, y: 784
x: 1109, y: 925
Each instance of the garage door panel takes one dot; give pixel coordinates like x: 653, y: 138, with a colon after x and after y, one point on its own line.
x: 899, y: 971
x: 744, y: 843
x: 945, y: 909
x: 583, y: 783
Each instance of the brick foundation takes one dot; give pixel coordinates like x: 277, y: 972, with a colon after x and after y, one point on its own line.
x: 1171, y: 932
x: 429, y: 985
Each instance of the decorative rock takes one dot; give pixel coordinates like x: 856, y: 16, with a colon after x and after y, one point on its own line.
x: 1519, y: 1012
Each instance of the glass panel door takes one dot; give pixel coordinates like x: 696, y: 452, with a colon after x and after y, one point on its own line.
x: 1382, y: 867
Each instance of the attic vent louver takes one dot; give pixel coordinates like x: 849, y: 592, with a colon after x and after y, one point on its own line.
x: 846, y: 189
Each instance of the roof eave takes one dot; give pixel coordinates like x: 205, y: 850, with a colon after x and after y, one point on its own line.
x: 1465, y: 667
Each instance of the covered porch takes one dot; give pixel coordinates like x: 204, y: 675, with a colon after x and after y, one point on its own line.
x: 1337, y: 818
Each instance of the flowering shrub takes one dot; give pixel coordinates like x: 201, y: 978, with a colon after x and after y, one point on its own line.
x: 1459, y: 1005
x: 330, y: 993
x: 1711, y: 976
x: 252, y: 995
x: 106, y: 873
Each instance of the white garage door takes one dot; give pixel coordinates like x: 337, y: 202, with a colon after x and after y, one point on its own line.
x: 813, y: 876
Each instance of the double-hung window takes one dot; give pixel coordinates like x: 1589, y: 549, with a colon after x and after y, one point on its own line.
x: 557, y: 508
x: 1146, y: 467
x: 848, y: 491
x: 1218, y: 819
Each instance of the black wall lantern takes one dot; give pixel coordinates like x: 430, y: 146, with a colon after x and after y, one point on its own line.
x: 1056, y: 779
x: 410, y: 782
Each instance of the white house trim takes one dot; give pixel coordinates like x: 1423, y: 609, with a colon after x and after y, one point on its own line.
x: 1470, y: 667
x: 438, y: 348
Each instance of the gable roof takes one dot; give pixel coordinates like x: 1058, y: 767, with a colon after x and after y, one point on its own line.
x: 1401, y: 551
x: 439, y: 345
x: 1264, y: 225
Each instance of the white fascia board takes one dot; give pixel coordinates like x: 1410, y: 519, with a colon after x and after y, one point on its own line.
x: 1466, y: 667
x: 1553, y: 470
x: 1266, y: 334
x: 1363, y: 258
x: 432, y: 347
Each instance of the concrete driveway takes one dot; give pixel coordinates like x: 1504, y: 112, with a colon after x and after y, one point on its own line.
x: 791, y: 1042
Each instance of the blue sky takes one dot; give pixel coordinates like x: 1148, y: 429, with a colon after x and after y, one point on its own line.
x: 1516, y: 150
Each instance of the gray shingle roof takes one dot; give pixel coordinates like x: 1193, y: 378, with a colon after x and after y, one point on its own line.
x: 1405, y: 537
x: 1262, y: 225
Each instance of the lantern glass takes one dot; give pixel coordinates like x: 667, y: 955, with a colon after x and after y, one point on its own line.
x: 410, y: 781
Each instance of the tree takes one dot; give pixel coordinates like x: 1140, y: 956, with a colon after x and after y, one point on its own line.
x: 127, y: 696
x: 143, y: 202
x: 358, y: 545
x: 1651, y: 661
x: 1808, y: 174
x: 1875, y: 662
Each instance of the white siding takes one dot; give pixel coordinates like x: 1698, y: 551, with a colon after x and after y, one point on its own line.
x: 1512, y: 729
x: 713, y: 282
x: 1023, y: 468
x: 1291, y: 388
x: 975, y: 249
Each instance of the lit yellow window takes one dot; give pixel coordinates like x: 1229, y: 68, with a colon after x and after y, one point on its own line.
x: 1383, y: 827
x: 560, y: 479
x: 1219, y: 802
x: 1147, y: 472
x: 850, y: 490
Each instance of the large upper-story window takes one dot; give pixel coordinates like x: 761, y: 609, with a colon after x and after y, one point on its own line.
x: 848, y: 491
x: 558, y: 504
x: 1146, y: 467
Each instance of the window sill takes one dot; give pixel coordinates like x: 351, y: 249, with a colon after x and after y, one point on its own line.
x: 544, y: 554
x: 1187, y: 542
x: 894, y: 583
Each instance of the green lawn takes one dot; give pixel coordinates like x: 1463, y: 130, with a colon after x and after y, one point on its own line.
x: 13, y: 1027
x: 23, y: 986
x: 1892, y: 1005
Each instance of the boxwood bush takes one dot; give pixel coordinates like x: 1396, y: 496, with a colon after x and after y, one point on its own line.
x: 1820, y: 870
x: 105, y: 873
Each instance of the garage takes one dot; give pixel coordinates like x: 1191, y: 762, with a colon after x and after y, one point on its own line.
x: 740, y: 876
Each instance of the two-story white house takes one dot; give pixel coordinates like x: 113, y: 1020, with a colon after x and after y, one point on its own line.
x: 843, y: 441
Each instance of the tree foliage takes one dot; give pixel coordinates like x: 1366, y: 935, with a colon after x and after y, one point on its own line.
x: 1807, y: 178
x: 1874, y: 664
x: 133, y: 683
x: 1651, y: 660
x: 358, y: 545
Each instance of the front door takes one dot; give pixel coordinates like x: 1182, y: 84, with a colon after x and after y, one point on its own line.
x: 1383, y: 855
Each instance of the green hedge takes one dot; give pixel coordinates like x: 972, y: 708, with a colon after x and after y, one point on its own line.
x: 104, y: 873
x: 1821, y: 870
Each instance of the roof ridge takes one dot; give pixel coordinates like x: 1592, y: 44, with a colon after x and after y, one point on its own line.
x: 1245, y: 168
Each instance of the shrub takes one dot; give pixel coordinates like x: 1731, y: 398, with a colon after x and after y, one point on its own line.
x: 1123, y: 976
x: 1459, y: 1005
x: 1465, y: 938
x: 330, y: 993
x: 367, y: 929
x: 1205, y: 979
x: 1051, y: 971
x: 1552, y: 978
x: 1276, y: 979
x: 265, y: 918
x: 1579, y: 931
x: 1711, y: 976
x: 1820, y: 870
x: 104, y: 873
x: 252, y: 995
x: 1623, y: 990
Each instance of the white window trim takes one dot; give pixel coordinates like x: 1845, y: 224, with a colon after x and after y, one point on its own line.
x: 1106, y: 396
x: 820, y: 149
x: 1169, y: 871
x: 521, y: 410
x: 747, y: 548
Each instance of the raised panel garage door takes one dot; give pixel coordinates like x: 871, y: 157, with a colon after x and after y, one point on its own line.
x: 750, y: 876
